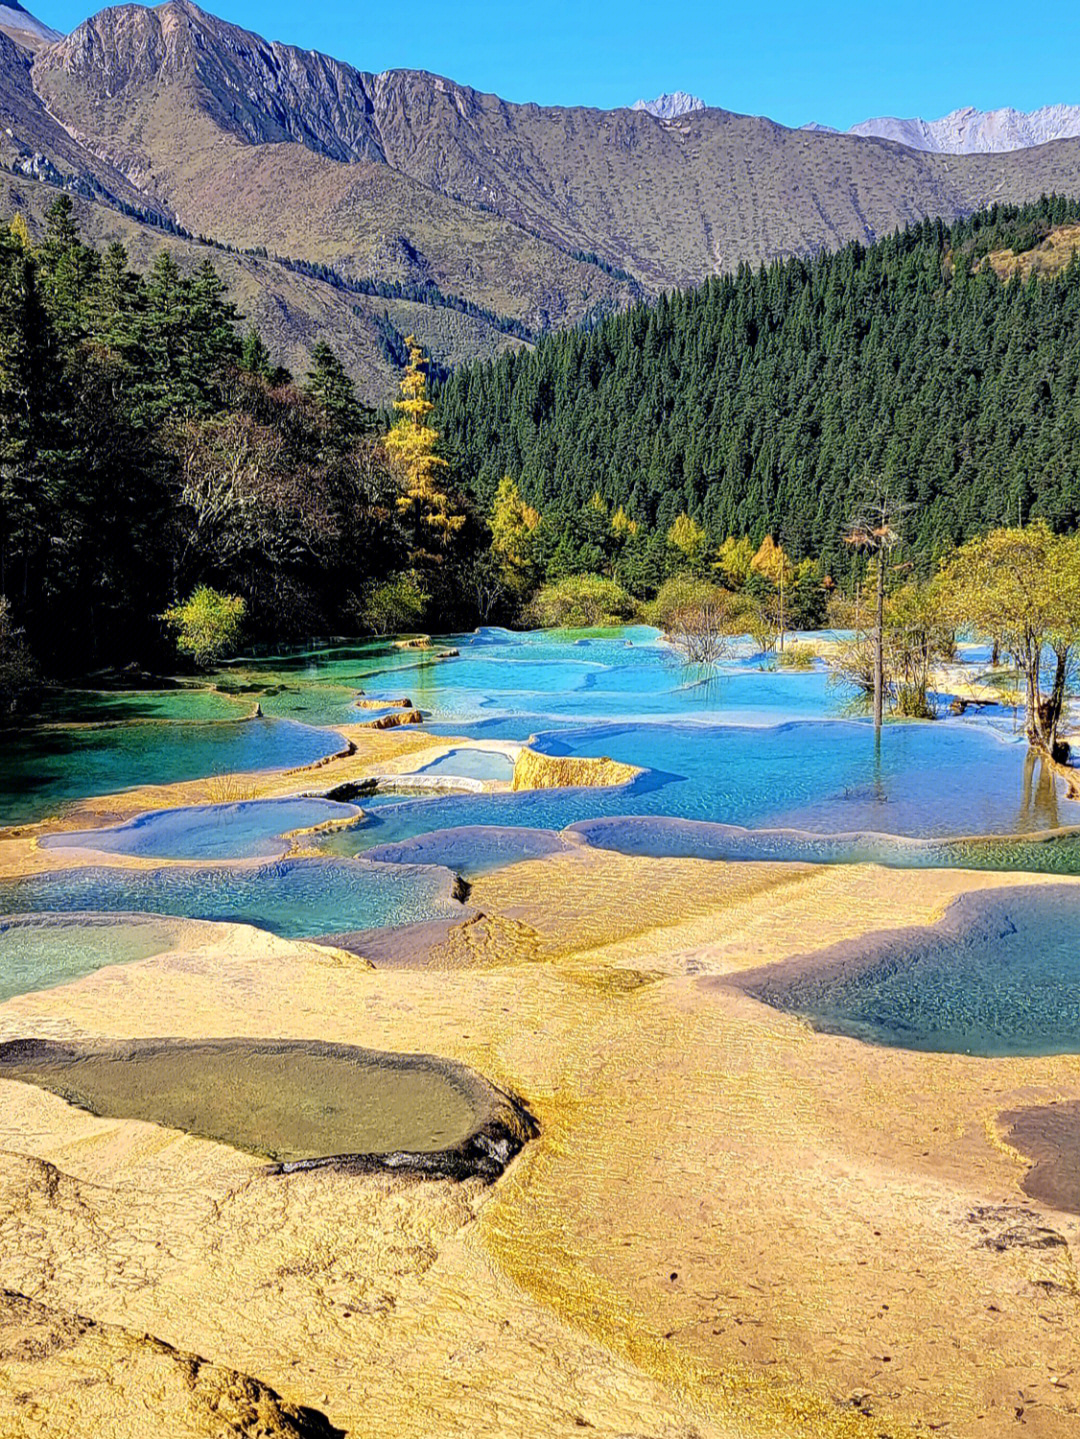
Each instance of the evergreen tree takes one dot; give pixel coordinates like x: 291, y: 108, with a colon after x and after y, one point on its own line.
x: 330, y: 387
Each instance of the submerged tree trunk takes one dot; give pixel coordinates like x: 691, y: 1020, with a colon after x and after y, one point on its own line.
x: 879, y: 647
x: 1049, y: 710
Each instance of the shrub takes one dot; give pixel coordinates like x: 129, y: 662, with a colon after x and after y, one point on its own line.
x: 698, y: 618
x: 579, y: 602
x: 798, y: 657
x: 18, y: 673
x: 208, y: 625
x: 395, y: 605
x: 680, y: 592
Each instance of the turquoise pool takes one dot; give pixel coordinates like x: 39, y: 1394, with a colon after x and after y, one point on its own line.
x: 249, y: 829
x: 473, y: 764
x: 41, y: 951
x: 295, y: 898
x: 747, y: 747
x: 998, y: 975
x: 45, y: 768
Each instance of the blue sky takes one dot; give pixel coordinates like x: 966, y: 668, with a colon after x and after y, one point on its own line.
x: 832, y: 62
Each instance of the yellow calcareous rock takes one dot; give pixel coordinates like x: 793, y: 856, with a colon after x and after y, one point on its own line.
x: 542, y: 771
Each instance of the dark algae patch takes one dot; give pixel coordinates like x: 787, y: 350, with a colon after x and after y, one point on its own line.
x: 300, y: 1103
x: 1049, y: 1135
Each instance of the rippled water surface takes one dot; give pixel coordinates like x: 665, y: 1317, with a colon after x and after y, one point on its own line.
x: 46, y: 767
x: 748, y: 761
x: 246, y: 829
x: 998, y: 975
x: 295, y: 898
x: 41, y: 951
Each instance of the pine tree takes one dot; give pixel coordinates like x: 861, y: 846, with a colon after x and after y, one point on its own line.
x: 255, y: 357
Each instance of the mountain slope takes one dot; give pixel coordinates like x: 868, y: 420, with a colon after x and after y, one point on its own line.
x: 668, y: 201
x: 544, y: 216
x: 768, y: 402
x: 263, y: 144
x: 292, y: 310
x: 25, y: 28
x: 33, y: 142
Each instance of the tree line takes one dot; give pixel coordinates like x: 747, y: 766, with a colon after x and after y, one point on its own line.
x: 164, y: 487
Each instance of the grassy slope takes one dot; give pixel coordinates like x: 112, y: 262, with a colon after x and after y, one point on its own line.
x: 292, y: 311
x: 433, y: 181
x: 364, y: 218
x: 1049, y: 257
x: 674, y: 202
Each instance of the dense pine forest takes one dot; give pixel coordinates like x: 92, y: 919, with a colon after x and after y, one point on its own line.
x: 769, y: 401
x: 164, y: 486
x: 149, y: 450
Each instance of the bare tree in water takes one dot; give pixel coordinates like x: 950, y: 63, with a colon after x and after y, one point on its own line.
x: 874, y: 531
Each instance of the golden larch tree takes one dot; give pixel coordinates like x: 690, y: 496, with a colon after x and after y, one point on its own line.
x: 412, y: 444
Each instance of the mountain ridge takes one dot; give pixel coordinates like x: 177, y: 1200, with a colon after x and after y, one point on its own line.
x: 546, y: 216
x: 18, y: 23
x: 670, y: 106
x: 968, y: 131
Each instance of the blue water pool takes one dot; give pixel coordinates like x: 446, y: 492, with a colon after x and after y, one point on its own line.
x: 46, y: 767
x: 746, y: 745
x: 473, y: 764
x: 1048, y: 852
x: 998, y: 975
x: 250, y: 829
x: 41, y: 951
x: 469, y: 852
x: 295, y: 898
x: 826, y: 777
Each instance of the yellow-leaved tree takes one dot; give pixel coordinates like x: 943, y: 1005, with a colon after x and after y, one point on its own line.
x: 687, y: 537
x: 773, y: 564
x: 622, y: 526
x: 412, y: 444
x: 514, y: 524
x: 735, y: 560
x: 19, y: 229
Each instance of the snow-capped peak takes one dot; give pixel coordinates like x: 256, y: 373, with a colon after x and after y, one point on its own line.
x: 670, y: 107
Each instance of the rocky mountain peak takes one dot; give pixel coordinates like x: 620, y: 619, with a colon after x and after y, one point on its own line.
x: 670, y: 107
x: 26, y: 29
x: 968, y: 131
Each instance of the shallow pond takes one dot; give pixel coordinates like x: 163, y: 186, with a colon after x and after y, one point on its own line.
x: 999, y: 974
x: 248, y: 829
x: 46, y: 767
x: 295, y: 898
x: 284, y: 1100
x: 41, y: 951
x: 1049, y: 1135
x: 468, y: 852
x: 828, y: 777
x: 1048, y: 852
x: 750, y: 746
x: 472, y: 764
